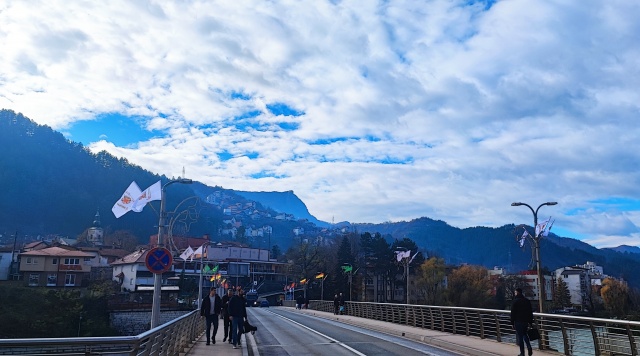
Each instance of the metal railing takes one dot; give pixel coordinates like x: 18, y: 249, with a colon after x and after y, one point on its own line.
x: 171, y: 339
x: 568, y: 335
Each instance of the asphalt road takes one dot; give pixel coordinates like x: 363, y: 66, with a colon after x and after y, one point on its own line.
x: 282, y: 331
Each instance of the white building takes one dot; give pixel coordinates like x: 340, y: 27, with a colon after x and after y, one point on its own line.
x: 577, y: 280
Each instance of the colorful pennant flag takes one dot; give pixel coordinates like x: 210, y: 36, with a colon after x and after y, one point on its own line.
x: 320, y: 275
x: 347, y: 269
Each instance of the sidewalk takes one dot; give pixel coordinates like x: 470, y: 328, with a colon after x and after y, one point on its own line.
x: 457, y: 343
x: 200, y: 347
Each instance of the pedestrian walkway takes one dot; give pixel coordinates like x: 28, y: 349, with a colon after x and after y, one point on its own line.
x: 200, y: 347
x: 467, y: 345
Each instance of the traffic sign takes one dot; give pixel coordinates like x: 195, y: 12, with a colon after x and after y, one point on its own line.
x: 159, y: 260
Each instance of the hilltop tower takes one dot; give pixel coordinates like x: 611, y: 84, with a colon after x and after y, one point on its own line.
x: 95, y: 235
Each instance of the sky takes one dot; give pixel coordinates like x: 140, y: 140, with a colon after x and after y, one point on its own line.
x: 370, y: 111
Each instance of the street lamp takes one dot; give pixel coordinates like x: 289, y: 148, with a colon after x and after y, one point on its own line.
x: 157, y: 279
x: 207, y: 244
x: 347, y: 268
x: 321, y: 284
x: 404, y: 255
x: 536, y: 243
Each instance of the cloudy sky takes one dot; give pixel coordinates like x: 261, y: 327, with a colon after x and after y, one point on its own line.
x: 370, y: 111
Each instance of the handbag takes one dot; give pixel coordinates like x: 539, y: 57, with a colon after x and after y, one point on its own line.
x: 533, y: 333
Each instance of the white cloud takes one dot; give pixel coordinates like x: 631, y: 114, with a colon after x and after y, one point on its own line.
x: 425, y: 108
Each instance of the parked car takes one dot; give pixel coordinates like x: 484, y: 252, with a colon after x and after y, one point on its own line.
x: 264, y: 303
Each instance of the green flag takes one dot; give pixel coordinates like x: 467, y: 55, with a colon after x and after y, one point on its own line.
x: 347, y: 269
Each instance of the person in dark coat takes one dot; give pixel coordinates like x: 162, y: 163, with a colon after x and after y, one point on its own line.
x: 341, y: 302
x: 210, y: 310
x: 521, y: 317
x: 299, y: 301
x: 336, y: 304
x: 225, y: 315
x: 237, y: 310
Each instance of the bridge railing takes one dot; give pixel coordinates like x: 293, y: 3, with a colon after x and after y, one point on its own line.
x: 168, y: 339
x: 569, y: 335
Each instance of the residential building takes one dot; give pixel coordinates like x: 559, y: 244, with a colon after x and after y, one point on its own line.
x: 55, y: 267
x: 531, y: 278
x: 580, y: 280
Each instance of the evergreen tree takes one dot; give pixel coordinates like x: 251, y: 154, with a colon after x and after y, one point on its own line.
x: 275, y: 252
x: 562, y: 296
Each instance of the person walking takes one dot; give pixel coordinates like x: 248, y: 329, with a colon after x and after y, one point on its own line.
x: 226, y: 325
x: 299, y: 301
x: 341, y: 302
x: 336, y: 304
x: 236, y: 308
x: 521, y: 317
x: 210, y: 310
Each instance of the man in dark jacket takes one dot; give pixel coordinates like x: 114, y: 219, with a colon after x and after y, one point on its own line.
x: 225, y: 315
x: 336, y: 304
x: 237, y: 314
x: 521, y: 317
x: 210, y: 309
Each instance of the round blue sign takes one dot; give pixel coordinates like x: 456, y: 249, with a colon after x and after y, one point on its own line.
x: 159, y: 260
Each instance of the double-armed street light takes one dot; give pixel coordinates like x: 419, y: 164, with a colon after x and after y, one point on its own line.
x: 157, y: 280
x: 536, y: 243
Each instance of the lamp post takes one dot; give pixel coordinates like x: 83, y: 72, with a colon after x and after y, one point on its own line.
x: 348, y: 268
x: 200, y: 274
x: 536, y: 243
x: 157, y: 279
x: 321, y: 285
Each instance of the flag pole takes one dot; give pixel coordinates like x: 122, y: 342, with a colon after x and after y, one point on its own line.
x: 157, y: 280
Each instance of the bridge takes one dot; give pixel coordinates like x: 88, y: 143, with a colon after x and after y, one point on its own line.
x: 364, y: 328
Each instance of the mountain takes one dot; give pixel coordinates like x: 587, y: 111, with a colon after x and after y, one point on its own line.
x: 625, y: 249
x: 283, y: 202
x: 51, y: 185
x: 491, y: 247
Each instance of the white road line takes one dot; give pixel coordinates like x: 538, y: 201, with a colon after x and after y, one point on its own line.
x: 323, y: 335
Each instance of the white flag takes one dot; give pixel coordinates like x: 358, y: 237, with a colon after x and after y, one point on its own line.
x: 197, y: 253
x: 546, y: 232
x: 402, y: 254
x: 188, y: 252
x: 541, y: 227
x: 154, y: 192
x: 524, y: 237
x: 127, y: 201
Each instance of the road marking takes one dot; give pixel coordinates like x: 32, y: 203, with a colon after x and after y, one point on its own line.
x: 321, y: 334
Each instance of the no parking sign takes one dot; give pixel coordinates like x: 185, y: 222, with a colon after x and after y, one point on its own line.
x: 159, y: 260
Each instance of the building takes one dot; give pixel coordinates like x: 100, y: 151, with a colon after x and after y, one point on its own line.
x: 222, y: 264
x: 580, y: 280
x: 531, y: 278
x: 55, y: 267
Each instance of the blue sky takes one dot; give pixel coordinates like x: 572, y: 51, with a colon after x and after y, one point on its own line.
x: 369, y: 111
